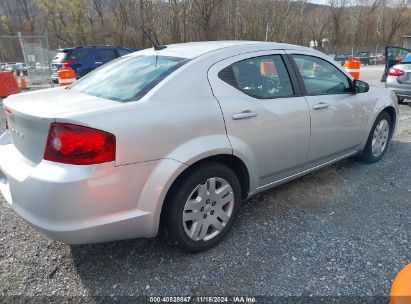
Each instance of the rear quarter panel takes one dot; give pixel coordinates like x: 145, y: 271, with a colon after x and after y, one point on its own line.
x: 179, y: 119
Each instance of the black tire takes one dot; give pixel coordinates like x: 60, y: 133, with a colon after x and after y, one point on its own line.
x: 180, y: 192
x: 367, y: 155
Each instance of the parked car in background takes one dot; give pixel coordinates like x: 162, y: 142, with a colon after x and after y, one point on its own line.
x: 342, y: 58
x: 84, y: 59
x: 373, y: 59
x: 18, y: 67
x: 377, y: 58
x: 365, y: 57
x: 40, y: 66
x: 381, y: 58
x: 182, y: 138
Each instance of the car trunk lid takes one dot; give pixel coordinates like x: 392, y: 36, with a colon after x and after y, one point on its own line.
x: 28, y: 134
x: 29, y: 116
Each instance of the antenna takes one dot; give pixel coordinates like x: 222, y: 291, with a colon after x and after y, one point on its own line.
x: 155, y: 44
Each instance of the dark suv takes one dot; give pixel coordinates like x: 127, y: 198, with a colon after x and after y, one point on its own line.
x: 83, y: 59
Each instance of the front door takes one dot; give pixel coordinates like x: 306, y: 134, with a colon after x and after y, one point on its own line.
x: 338, y: 117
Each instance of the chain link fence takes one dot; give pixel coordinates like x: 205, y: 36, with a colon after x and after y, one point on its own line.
x: 369, y: 55
x: 29, y: 56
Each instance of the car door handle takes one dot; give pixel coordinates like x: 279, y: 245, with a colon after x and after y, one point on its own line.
x: 244, y: 114
x: 321, y: 105
x: 98, y: 62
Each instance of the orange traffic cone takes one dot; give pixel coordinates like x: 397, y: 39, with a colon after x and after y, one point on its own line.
x: 23, y: 83
x: 8, y: 84
x: 401, y: 287
x: 66, y: 76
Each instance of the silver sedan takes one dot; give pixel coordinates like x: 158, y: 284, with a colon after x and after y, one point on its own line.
x: 177, y: 137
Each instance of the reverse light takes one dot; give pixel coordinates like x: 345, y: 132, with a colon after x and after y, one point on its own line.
x: 79, y: 145
x: 67, y: 64
x: 395, y: 72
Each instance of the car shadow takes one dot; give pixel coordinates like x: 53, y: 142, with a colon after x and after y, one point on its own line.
x: 148, y: 266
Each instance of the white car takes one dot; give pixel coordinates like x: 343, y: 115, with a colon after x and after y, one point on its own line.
x: 179, y: 136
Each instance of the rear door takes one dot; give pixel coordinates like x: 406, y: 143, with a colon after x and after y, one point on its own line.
x: 78, y: 59
x: 338, y: 117
x: 267, y: 119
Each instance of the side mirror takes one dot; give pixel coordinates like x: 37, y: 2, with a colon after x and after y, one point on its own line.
x: 360, y: 86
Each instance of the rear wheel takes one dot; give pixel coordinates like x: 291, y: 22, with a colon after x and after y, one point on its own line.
x: 202, y: 206
x: 378, y: 139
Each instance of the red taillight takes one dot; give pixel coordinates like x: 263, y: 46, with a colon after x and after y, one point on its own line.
x: 395, y: 72
x: 78, y: 145
x: 67, y: 64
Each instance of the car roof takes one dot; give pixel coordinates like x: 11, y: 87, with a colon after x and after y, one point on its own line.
x: 192, y: 50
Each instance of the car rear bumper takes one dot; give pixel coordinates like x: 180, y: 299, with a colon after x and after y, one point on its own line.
x: 406, y: 96
x: 403, y: 94
x: 400, y: 89
x: 78, y: 204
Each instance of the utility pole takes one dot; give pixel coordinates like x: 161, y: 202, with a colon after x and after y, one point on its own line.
x: 22, y: 47
x: 24, y: 52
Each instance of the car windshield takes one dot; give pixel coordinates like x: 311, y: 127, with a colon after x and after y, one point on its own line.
x: 127, y: 78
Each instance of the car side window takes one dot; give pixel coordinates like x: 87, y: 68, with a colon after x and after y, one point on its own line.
x: 321, y: 77
x: 77, y: 55
x: 262, y: 77
x: 105, y: 55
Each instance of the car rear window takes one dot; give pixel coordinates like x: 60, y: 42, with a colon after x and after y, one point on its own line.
x: 127, y: 78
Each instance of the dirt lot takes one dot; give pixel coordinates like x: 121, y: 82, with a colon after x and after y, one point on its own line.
x: 342, y: 231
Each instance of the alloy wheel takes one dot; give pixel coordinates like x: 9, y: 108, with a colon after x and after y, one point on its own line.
x: 380, y: 138
x: 208, y: 209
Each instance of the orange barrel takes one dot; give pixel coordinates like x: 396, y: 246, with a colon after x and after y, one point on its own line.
x: 8, y: 84
x: 352, y: 66
x: 267, y: 68
x: 66, y: 76
x: 401, y: 287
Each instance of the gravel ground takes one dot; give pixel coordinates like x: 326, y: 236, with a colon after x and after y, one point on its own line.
x: 341, y: 231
